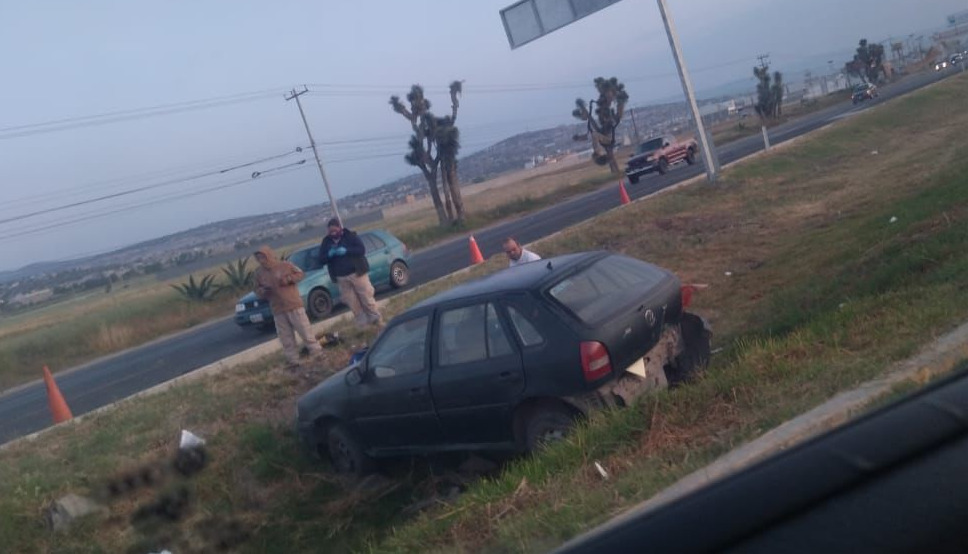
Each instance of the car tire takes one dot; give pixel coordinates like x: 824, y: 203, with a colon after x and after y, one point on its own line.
x: 319, y: 304
x: 691, y: 157
x: 633, y: 179
x: 695, y: 355
x: 346, y: 454
x: 399, y: 274
x: 663, y: 166
x: 546, y: 425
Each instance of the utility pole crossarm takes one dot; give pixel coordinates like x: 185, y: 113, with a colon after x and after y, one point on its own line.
x: 293, y: 95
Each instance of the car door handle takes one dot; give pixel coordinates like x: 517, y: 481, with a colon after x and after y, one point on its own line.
x: 416, y: 391
x: 509, y: 376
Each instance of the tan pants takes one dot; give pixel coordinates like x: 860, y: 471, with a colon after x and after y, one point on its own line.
x: 356, y: 291
x: 288, y: 325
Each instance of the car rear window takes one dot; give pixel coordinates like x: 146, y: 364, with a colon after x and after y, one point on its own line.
x: 605, y: 287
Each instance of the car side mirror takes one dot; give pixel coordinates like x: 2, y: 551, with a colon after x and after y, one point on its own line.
x: 354, y: 376
x: 665, y: 145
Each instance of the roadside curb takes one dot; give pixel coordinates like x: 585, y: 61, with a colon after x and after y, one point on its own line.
x: 938, y: 358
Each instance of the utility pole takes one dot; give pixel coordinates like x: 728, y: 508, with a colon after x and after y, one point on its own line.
x: 312, y: 143
x: 709, y: 155
x: 764, y: 60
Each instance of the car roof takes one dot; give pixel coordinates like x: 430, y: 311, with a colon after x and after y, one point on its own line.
x: 524, y: 277
x: 380, y: 232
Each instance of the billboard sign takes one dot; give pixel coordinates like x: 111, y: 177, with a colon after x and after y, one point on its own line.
x: 528, y: 20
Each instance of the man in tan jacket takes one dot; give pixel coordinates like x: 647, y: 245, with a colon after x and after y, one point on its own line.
x: 275, y: 281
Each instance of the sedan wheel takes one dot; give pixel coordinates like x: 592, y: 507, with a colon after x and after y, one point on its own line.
x: 399, y: 274
x: 547, y: 426
x: 346, y: 454
x: 319, y: 305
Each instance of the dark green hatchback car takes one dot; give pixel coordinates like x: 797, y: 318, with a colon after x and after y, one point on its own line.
x: 389, y: 267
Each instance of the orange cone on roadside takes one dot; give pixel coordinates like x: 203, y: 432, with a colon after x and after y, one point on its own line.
x: 623, y: 194
x: 476, y: 256
x: 58, y: 407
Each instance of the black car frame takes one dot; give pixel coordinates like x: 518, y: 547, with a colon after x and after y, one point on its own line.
x: 508, y: 362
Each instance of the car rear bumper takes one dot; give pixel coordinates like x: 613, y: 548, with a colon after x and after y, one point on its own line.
x: 259, y: 316
x: 646, y: 374
x: 641, y: 170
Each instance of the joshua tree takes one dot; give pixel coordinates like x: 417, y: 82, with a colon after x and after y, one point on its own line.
x: 434, y: 145
x: 603, y: 119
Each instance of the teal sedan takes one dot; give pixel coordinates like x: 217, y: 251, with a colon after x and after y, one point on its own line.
x: 389, y: 267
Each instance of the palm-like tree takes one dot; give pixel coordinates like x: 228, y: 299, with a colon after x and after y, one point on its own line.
x: 427, y: 154
x: 448, y: 146
x: 603, y: 119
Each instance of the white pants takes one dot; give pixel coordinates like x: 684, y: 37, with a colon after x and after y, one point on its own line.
x: 288, y: 325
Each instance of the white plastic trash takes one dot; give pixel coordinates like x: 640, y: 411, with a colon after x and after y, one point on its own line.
x: 190, y: 440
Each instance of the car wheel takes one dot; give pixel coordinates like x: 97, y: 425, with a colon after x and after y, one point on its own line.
x: 399, y: 274
x: 691, y: 157
x: 663, y: 166
x: 347, y: 454
x: 545, y: 426
x: 320, y: 304
x: 633, y: 179
x: 694, y: 357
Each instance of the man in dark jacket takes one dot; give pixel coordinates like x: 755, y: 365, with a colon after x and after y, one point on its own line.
x: 344, y: 255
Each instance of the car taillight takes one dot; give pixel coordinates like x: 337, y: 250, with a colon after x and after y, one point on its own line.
x: 595, y: 362
x: 686, y: 292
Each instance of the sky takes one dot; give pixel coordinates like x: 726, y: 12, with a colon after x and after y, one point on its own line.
x: 124, y: 121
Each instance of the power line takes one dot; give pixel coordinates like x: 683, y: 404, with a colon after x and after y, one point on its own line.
x: 135, y: 190
x: 329, y: 89
x: 152, y: 202
x: 128, y: 115
x: 107, y: 184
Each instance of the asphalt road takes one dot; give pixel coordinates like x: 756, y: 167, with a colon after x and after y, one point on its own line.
x: 24, y: 410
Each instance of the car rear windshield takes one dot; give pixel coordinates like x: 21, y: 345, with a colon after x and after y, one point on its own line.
x: 605, y: 288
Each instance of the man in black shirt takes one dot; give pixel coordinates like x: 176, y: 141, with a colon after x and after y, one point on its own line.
x: 344, y: 255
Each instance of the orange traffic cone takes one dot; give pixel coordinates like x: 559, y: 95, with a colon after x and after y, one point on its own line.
x: 623, y: 194
x: 476, y: 256
x: 58, y: 407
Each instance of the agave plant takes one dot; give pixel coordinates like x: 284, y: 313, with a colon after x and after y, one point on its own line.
x: 238, y: 277
x: 197, y: 291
